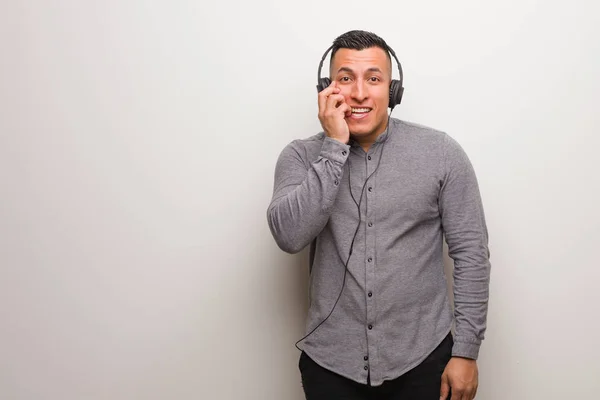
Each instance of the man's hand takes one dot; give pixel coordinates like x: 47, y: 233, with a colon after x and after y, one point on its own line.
x: 462, y: 377
x: 332, y: 111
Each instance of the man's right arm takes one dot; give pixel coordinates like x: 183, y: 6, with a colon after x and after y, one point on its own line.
x: 302, y: 198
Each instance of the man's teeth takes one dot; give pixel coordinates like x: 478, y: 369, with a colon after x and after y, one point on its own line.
x: 360, y: 110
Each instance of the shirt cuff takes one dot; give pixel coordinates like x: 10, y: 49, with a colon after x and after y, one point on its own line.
x: 335, y: 150
x: 466, y: 350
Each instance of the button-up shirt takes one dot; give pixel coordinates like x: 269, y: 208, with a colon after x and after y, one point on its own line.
x: 394, y: 307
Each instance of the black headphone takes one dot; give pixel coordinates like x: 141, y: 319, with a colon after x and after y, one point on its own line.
x: 396, y: 88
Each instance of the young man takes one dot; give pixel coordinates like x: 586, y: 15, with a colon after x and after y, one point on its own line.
x: 374, y: 196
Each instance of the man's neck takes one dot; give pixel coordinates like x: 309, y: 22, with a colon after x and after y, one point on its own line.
x: 367, y: 141
x: 362, y: 142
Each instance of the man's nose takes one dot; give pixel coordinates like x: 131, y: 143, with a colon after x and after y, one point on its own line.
x: 359, y: 92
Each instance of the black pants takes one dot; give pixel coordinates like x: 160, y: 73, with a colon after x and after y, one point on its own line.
x: 421, y: 383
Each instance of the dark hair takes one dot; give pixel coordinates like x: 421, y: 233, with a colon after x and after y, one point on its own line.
x: 359, y: 40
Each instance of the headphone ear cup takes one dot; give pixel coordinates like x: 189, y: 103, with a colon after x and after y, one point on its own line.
x: 323, y: 84
x: 396, y: 91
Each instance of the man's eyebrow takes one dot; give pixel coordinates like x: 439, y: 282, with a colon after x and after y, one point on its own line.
x: 347, y: 69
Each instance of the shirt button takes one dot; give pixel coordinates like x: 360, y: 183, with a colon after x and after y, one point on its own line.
x: 366, y: 358
x: 370, y: 224
x: 369, y: 157
x: 370, y: 327
x: 344, y: 153
x: 370, y: 189
x: 369, y: 259
x: 366, y: 368
x: 370, y: 294
x: 336, y: 182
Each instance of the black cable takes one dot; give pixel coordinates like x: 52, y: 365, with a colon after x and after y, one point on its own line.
x: 355, y: 232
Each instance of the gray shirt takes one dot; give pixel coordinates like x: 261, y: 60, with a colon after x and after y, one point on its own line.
x: 394, y: 308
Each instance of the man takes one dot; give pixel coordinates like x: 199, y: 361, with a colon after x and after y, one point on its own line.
x: 374, y: 196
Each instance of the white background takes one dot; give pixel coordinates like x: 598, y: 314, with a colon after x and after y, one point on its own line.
x: 137, y: 146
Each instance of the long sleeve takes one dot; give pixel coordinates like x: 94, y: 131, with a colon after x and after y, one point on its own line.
x: 466, y: 233
x: 303, y: 193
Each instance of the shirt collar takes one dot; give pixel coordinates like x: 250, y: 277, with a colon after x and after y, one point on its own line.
x: 381, y: 138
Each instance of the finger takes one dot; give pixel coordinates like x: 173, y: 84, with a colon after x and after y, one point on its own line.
x: 470, y: 393
x: 445, y: 388
x: 346, y: 109
x: 457, y: 394
x: 334, y: 100
x: 323, y: 95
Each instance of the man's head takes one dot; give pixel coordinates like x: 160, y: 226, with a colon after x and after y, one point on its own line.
x: 362, y: 68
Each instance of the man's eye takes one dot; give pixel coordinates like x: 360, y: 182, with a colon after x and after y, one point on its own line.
x: 374, y: 79
x: 345, y: 79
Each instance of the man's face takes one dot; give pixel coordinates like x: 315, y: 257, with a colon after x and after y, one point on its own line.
x: 364, y: 79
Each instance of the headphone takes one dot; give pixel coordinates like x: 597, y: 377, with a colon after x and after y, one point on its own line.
x: 396, y: 88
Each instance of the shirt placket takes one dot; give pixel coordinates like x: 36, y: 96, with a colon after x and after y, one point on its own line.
x: 370, y: 259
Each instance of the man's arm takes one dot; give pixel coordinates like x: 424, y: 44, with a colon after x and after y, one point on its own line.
x: 466, y: 233
x: 302, y: 198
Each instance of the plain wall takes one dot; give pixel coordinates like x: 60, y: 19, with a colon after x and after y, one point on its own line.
x: 137, y: 146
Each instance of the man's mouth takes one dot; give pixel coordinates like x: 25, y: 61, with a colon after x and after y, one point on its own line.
x: 360, y: 112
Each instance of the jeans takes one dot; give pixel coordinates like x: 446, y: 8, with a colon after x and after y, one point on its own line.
x: 421, y: 383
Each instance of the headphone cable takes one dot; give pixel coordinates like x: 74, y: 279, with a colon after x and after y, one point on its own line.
x: 355, y: 232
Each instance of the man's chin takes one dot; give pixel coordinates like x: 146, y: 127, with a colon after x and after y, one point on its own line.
x: 364, y: 130
x: 357, y: 133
